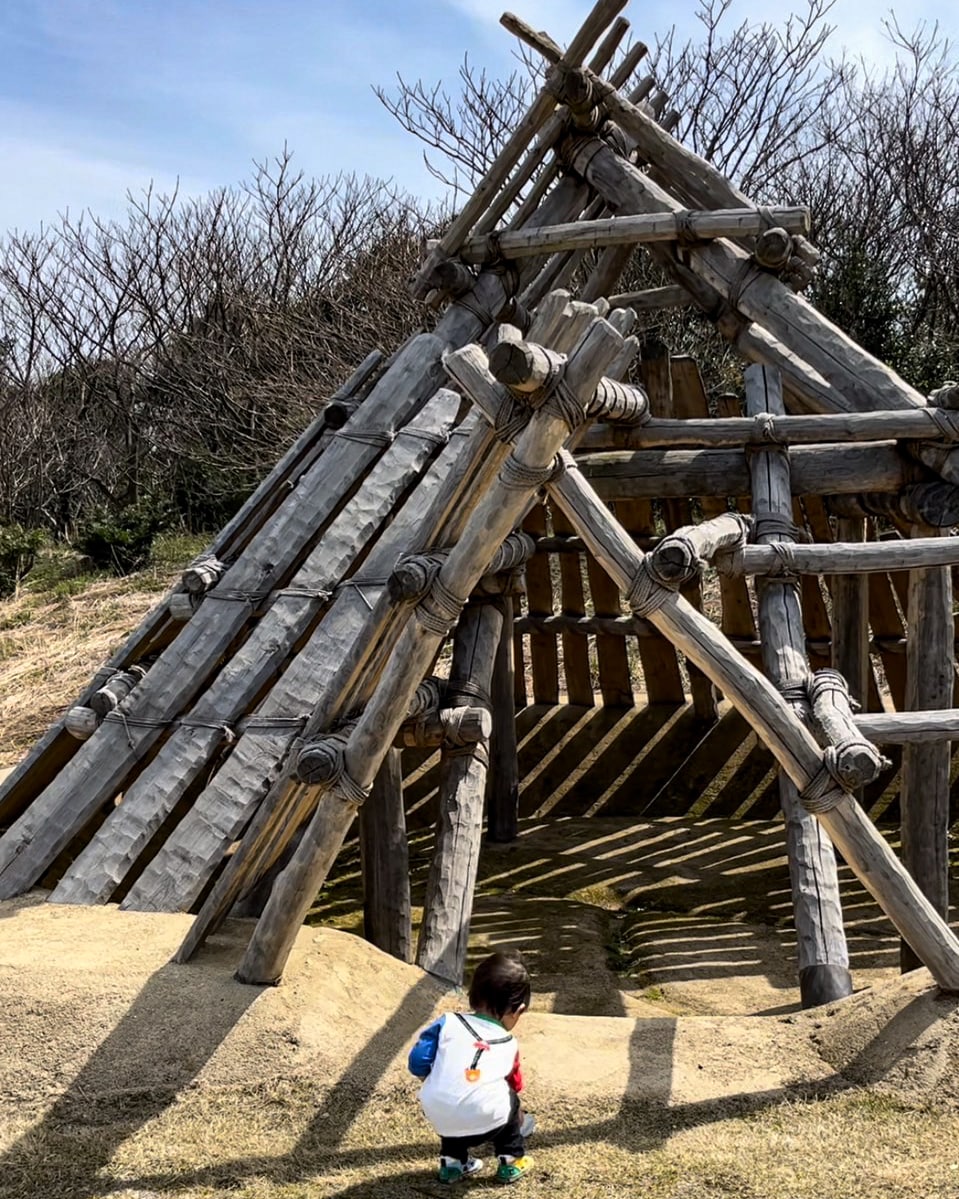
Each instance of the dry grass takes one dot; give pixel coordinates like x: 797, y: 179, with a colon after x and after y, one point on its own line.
x: 287, y: 1142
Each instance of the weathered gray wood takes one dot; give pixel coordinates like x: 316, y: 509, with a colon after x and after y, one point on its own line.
x: 629, y: 230
x: 503, y: 784
x: 603, y: 12
x: 860, y: 380
x: 678, y: 555
x: 857, y: 760
x: 823, y: 958
x: 102, y: 766
x: 671, y: 296
x: 924, y: 790
x: 492, y: 519
x: 464, y: 725
x: 112, y: 852
x: 850, y: 617
x: 385, y: 859
x: 817, y: 470
x: 792, y: 745
x: 901, y: 728
x: 838, y: 558
x: 917, y: 424
x: 444, y: 931
x: 51, y: 751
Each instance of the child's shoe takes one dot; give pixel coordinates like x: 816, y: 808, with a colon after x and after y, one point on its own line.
x: 512, y: 1169
x: 452, y: 1170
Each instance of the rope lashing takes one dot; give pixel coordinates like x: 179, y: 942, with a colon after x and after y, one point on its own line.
x: 323, y: 763
x: 360, y: 587
x: 685, y: 234
x: 436, y: 440
x: 520, y: 476
x: 946, y: 421
x: 439, y: 609
x: 511, y: 418
x: 563, y: 402
x: 647, y: 593
x: 825, y: 790
x: 765, y: 424
x: 747, y: 274
x: 767, y: 522
x: 272, y: 724
x: 118, y: 716
x: 378, y: 440
x: 474, y: 308
x: 226, y: 731
x: 321, y: 594
x: 467, y: 688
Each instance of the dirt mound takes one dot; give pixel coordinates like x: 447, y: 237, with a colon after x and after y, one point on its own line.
x: 91, y: 1008
x: 901, y: 1036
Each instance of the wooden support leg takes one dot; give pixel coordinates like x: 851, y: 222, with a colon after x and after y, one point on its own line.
x: 502, y: 818
x: 444, y: 933
x: 850, y: 626
x: 385, y: 856
x: 924, y: 795
x: 821, y: 941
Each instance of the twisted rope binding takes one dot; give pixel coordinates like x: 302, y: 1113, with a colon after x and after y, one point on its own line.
x: 227, y: 731
x: 562, y: 402
x: 439, y: 609
x: 519, y: 476
x: 322, y: 594
x: 946, y: 421
x: 747, y: 274
x: 360, y: 585
x: 646, y: 593
x: 436, y: 440
x: 378, y: 440
x: 825, y: 790
x: 330, y: 770
x: 272, y: 724
x: 765, y: 424
x: 685, y: 235
x: 769, y: 523
x: 471, y: 304
x: 466, y: 687
x: 511, y: 418
x: 766, y: 216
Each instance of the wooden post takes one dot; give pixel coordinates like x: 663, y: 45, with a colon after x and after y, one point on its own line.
x: 502, y: 819
x: 491, y: 521
x: 850, y: 624
x: 790, y: 741
x: 924, y: 790
x: 444, y: 932
x: 385, y: 858
x: 823, y: 956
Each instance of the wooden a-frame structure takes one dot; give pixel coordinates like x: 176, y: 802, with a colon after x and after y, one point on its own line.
x: 219, y: 759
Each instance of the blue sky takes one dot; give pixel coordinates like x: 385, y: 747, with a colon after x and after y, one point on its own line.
x: 101, y: 96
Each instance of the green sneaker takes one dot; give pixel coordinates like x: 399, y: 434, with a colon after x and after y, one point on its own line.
x: 513, y: 1169
x: 452, y: 1170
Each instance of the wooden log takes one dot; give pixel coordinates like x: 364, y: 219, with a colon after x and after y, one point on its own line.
x: 861, y: 380
x: 840, y: 558
x: 903, y: 424
x: 492, y: 519
x: 823, y: 958
x: 933, y: 504
x: 924, y: 787
x: 602, y: 13
x: 109, y: 697
x: 653, y: 298
x: 576, y: 664
x: 857, y: 760
x: 385, y: 862
x: 850, y: 620
x: 816, y: 470
x: 203, y: 573
x: 81, y: 722
x: 103, y: 764
x: 449, y: 726
x: 661, y: 675
x: 444, y: 931
x: 629, y: 230
x: 792, y: 745
x: 900, y: 728
x: 543, y: 651
x: 680, y: 555
x: 502, y: 823
x: 53, y: 749
x: 114, y: 850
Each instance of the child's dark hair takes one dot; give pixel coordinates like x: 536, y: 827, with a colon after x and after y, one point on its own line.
x: 500, y: 984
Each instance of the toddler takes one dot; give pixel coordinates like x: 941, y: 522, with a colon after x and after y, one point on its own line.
x: 470, y: 1062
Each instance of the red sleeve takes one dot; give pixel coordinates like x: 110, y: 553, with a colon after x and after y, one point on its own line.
x: 515, y: 1076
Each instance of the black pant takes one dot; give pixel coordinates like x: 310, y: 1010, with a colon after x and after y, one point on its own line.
x: 507, y: 1141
